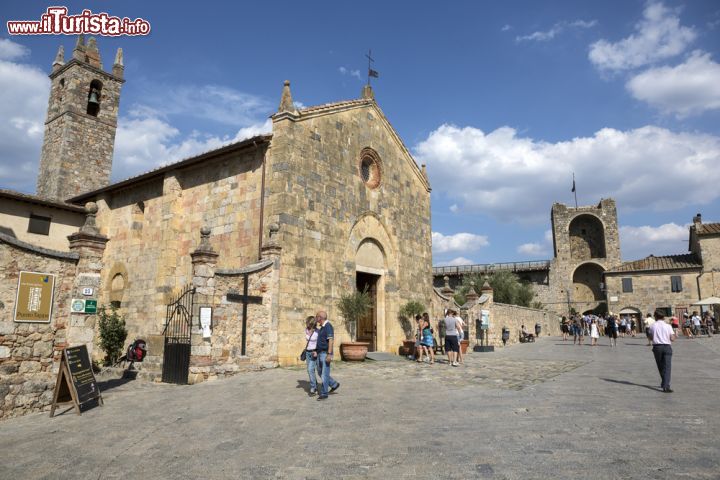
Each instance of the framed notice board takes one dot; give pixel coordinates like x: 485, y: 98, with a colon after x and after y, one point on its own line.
x: 34, y: 299
x: 76, y: 382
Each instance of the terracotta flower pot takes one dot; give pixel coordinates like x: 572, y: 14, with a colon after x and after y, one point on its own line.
x: 408, y: 347
x: 464, y: 346
x: 354, y: 351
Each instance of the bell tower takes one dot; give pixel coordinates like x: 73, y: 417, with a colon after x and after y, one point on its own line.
x: 81, y: 122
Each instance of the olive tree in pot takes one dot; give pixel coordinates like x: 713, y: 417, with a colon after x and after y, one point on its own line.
x: 407, y: 322
x: 352, y: 307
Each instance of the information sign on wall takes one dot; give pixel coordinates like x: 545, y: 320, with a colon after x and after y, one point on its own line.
x: 34, y: 299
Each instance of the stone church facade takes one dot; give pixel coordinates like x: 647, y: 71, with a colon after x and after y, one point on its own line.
x: 329, y: 202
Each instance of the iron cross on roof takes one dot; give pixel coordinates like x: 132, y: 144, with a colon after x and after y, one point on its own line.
x: 245, y: 299
x: 371, y: 72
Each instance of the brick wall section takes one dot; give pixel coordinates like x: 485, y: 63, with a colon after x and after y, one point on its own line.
x: 151, y: 249
x: 324, y: 210
x: 29, y: 352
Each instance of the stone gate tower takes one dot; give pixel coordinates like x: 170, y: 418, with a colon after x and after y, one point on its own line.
x: 81, y: 122
x: 586, y: 244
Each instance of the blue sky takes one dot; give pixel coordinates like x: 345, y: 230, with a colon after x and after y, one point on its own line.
x: 502, y: 100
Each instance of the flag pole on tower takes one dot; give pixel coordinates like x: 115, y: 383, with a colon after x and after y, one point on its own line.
x: 574, y: 190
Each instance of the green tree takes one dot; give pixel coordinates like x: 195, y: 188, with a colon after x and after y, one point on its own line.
x: 353, y: 306
x: 507, y: 288
x: 112, y: 334
x: 407, y: 316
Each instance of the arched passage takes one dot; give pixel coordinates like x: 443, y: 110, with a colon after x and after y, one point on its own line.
x: 587, y: 237
x: 586, y: 284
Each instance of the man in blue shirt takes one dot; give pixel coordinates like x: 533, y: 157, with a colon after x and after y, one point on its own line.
x: 325, y: 349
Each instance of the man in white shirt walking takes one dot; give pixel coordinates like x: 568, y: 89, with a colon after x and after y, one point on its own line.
x: 662, y: 338
x: 649, y: 323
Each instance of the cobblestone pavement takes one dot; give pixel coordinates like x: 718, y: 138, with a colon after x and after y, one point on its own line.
x: 542, y: 410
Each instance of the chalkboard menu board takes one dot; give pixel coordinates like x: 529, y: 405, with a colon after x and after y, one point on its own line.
x: 81, y: 373
x: 76, y: 381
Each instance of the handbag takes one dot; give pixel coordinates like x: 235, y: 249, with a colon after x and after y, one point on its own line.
x: 303, y: 355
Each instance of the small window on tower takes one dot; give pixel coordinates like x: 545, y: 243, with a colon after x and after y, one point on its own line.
x: 39, y: 225
x: 94, y: 95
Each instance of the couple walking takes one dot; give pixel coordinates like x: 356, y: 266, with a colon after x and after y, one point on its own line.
x: 320, y: 349
x: 453, y: 334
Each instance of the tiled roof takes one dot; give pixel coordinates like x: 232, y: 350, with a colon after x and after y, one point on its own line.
x: 264, y: 138
x: 669, y: 262
x: 707, y: 228
x: 47, y: 202
x: 329, y: 106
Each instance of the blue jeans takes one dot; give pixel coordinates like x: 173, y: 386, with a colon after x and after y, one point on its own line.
x: 327, y: 381
x: 312, y: 367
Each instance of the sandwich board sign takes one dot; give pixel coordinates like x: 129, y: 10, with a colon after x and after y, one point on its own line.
x: 76, y: 382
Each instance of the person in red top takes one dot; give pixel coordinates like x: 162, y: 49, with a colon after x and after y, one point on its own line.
x: 662, y: 338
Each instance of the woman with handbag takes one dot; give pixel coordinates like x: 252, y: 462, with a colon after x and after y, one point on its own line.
x: 311, y: 335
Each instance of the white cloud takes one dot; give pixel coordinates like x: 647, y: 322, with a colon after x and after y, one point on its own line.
x: 215, y: 103
x: 667, y: 239
x: 352, y: 73
x: 518, y: 178
x: 557, y: 29
x: 454, y: 208
x: 538, y: 249
x: 10, y: 50
x: 657, y: 36
x: 689, y: 88
x: 455, y: 261
x: 506, y: 27
x: 459, y: 242
x: 24, y: 91
x: 533, y: 250
x: 145, y: 141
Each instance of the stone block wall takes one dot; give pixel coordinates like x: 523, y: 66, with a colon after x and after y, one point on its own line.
x: 154, y: 227
x: 513, y: 317
x: 29, y: 352
x: 77, y: 147
x: 651, y: 290
x: 221, y: 354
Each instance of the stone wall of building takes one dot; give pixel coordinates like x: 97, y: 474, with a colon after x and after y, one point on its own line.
x: 326, y: 212
x: 513, y: 317
x: 154, y: 225
x: 575, y: 249
x: 29, y: 352
x: 652, y: 290
x: 78, y: 147
x: 15, y: 217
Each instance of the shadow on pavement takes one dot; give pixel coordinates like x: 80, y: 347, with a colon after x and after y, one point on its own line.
x: 625, y: 382
x: 106, y: 385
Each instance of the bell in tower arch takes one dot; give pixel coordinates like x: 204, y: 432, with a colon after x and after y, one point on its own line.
x: 93, y: 104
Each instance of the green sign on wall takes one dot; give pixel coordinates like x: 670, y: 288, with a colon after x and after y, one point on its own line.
x: 90, y: 306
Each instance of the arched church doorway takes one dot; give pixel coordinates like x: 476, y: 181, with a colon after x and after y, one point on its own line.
x: 369, y: 274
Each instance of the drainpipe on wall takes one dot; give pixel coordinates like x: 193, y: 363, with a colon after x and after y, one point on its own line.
x: 262, y: 207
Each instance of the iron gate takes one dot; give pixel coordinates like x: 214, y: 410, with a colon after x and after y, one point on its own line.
x: 178, y: 326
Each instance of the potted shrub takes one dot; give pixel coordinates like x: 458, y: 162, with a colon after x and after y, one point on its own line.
x: 352, y: 306
x: 112, y: 334
x: 407, y: 322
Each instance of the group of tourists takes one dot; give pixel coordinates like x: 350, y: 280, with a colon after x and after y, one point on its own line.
x: 320, y: 347
x: 452, y: 328
x: 596, y: 326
